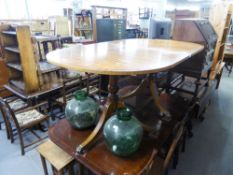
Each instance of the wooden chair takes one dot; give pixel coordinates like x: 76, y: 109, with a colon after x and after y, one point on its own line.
x: 47, y: 45
x: 179, y: 131
x: 180, y: 110
x: 87, y: 82
x: 22, y: 120
x: 59, y: 160
x: 15, y: 104
x: 160, y: 166
x: 99, y: 160
x: 182, y: 113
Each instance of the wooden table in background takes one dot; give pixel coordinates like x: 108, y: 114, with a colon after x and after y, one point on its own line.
x: 117, y: 58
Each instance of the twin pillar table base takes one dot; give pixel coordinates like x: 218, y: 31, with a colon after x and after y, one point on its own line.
x: 124, y: 58
x: 114, y: 101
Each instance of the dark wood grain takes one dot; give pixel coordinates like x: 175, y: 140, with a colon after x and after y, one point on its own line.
x: 99, y: 159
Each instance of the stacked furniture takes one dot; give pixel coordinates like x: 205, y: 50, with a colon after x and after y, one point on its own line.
x: 198, y: 67
x: 26, y: 73
x: 41, y: 26
x: 194, y: 80
x: 83, y: 25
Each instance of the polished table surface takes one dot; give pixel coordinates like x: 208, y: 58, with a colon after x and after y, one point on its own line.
x: 98, y: 158
x: 125, y: 57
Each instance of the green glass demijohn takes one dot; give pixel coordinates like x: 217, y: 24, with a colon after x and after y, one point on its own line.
x: 81, y: 111
x: 123, y: 132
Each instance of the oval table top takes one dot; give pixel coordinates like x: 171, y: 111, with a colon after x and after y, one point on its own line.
x: 125, y: 57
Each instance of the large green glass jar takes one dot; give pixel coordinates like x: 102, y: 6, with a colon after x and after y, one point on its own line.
x: 81, y: 111
x: 123, y: 132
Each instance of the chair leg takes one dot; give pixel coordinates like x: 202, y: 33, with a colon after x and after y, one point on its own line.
x: 11, y: 134
x: 184, y: 141
x: 189, y: 128
x: 60, y: 172
x: 44, y: 165
x: 81, y: 169
x: 6, y: 128
x: 21, y: 142
x: 71, y: 168
x: 7, y: 133
x: 51, y: 110
x: 176, y: 157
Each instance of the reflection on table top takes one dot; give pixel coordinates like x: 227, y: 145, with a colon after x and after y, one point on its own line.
x: 125, y: 57
x: 68, y: 138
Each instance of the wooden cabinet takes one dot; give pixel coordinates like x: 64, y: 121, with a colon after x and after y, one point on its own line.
x: 20, y: 52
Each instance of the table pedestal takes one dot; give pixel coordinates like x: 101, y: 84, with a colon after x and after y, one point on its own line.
x: 114, y: 101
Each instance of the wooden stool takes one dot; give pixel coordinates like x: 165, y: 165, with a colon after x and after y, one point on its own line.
x: 58, y: 159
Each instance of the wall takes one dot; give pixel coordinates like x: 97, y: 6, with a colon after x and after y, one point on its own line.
x: 32, y: 9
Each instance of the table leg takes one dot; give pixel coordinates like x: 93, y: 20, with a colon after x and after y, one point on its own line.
x: 109, y: 107
x: 155, y: 95
x: 145, y: 83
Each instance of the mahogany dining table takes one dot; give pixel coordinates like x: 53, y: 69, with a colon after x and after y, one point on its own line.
x: 116, y: 58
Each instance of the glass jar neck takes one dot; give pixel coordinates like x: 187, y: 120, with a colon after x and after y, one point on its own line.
x: 124, y: 114
x: 80, y: 95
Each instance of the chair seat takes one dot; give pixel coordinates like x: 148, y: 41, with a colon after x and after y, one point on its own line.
x: 54, y: 154
x: 29, y: 116
x: 17, y: 104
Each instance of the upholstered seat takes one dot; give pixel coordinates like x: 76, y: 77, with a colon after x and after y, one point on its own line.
x: 19, y: 121
x: 17, y: 104
x: 28, y: 117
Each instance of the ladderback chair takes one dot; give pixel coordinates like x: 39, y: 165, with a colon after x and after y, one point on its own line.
x: 15, y: 104
x: 140, y: 163
x: 87, y: 82
x: 160, y: 166
x: 22, y: 120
